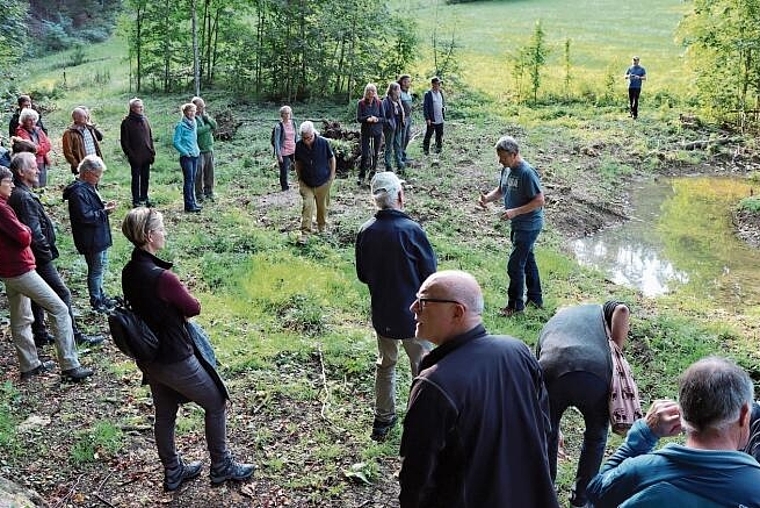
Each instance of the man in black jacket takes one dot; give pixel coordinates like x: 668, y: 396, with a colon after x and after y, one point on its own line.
x: 476, y: 428
x: 393, y: 257
x: 91, y: 227
x: 30, y: 211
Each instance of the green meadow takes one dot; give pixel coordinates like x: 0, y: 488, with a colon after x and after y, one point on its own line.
x: 291, y: 324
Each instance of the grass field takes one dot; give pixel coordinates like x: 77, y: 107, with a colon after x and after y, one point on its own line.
x: 604, y: 35
x: 290, y: 324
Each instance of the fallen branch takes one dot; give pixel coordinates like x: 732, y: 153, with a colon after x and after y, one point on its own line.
x: 97, y: 494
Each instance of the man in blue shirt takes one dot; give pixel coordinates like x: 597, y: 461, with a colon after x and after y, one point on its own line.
x: 636, y: 75
x: 315, y: 167
x: 520, y: 188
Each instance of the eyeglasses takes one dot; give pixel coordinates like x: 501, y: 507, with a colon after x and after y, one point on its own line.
x: 421, y: 302
x: 6, y: 180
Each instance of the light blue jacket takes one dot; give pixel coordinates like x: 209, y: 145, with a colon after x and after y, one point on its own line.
x: 674, y: 475
x: 186, y: 138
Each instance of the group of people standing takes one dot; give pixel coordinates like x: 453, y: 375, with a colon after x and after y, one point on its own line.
x: 390, y: 119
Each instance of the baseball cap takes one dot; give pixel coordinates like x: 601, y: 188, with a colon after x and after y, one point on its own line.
x: 385, y: 181
x: 436, y: 79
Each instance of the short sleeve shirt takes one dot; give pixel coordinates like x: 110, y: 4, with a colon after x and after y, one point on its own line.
x: 519, y: 186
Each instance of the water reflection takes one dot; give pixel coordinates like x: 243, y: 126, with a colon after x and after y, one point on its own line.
x: 681, y: 238
x: 638, y: 266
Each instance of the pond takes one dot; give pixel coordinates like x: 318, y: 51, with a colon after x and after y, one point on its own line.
x: 680, y: 239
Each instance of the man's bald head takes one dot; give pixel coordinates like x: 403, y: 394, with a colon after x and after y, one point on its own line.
x: 449, y: 303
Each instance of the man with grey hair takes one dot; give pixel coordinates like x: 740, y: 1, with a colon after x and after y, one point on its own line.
x: 315, y: 167
x: 137, y: 144
x: 393, y: 257
x: 715, y: 398
x: 520, y: 188
x: 30, y: 211
x: 22, y: 284
x: 91, y: 228
x: 80, y: 139
x: 476, y: 428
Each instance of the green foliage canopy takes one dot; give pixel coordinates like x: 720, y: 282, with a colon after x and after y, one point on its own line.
x: 723, y: 42
x: 272, y: 48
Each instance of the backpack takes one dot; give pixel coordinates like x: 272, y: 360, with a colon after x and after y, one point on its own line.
x: 131, y: 334
x: 274, y: 129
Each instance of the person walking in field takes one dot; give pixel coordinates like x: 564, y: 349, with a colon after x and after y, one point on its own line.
x: 315, y: 167
x: 636, y: 75
x: 284, y: 139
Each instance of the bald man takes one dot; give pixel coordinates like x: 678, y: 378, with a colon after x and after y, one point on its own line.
x: 80, y: 139
x: 475, y: 432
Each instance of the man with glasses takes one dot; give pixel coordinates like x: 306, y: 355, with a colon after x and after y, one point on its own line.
x: 393, y: 257
x: 476, y: 428
x: 22, y: 285
x: 91, y: 227
x: 30, y: 211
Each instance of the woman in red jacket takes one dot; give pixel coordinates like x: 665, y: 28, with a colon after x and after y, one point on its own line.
x: 22, y: 283
x: 29, y: 130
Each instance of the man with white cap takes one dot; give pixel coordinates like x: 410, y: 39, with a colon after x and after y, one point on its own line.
x: 393, y: 257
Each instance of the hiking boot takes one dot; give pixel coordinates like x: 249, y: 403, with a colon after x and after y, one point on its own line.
x: 76, y: 374
x: 174, y: 477
x: 380, y: 430
x: 302, y: 240
x: 43, y: 339
x: 231, y: 470
x: 88, y: 340
x: 531, y: 303
x: 39, y: 369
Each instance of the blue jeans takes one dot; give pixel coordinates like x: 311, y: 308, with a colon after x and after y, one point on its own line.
x: 287, y: 160
x: 522, y: 270
x: 590, y: 394
x: 393, y: 148
x: 189, y: 166
x: 97, y: 263
x: 406, y: 134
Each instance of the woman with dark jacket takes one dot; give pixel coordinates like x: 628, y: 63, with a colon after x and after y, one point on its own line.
x: 393, y: 128
x: 181, y: 372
